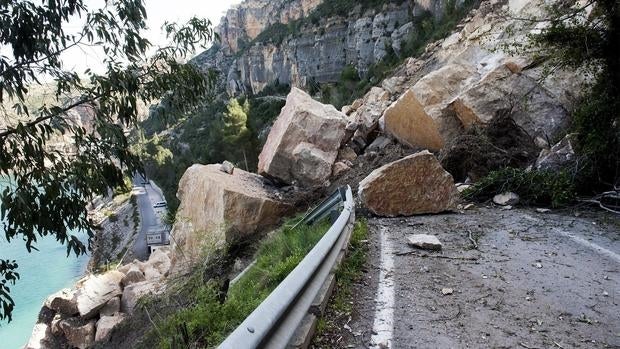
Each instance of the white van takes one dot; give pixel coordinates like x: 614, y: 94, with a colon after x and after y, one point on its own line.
x: 160, y: 204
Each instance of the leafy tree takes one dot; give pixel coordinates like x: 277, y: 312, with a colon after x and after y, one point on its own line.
x: 48, y: 189
x: 236, y: 135
x: 585, y: 36
x: 235, y: 120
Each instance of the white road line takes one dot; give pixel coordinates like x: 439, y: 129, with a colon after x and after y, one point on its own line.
x: 383, y: 326
x: 586, y: 243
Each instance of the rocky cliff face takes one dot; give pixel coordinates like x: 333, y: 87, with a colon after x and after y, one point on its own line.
x: 316, y: 53
x: 245, y: 21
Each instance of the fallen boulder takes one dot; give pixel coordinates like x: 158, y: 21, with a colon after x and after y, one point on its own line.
x: 303, y: 142
x: 416, y: 184
x: 409, y: 123
x: 371, y: 108
x: 78, y: 334
x: 40, y: 337
x: 112, y: 307
x: 216, y: 208
x: 107, y: 324
x: 339, y: 168
x: 96, y: 291
x: 533, y: 107
x: 159, y: 261
x: 440, y: 86
x: 133, y: 293
x: 63, y: 301
x: 420, y: 117
x: 379, y: 144
x: 133, y: 275
x: 560, y: 156
x: 227, y: 167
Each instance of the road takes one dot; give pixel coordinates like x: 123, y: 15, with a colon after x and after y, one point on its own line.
x: 505, y: 279
x: 150, y: 217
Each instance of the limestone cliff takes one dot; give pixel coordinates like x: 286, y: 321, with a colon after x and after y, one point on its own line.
x: 267, y: 41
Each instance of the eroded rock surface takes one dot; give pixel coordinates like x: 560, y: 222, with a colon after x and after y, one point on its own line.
x: 416, y: 184
x: 534, y: 108
x: 63, y: 301
x: 303, y: 142
x: 409, y: 123
x: 97, y: 291
x: 78, y: 334
x: 217, y: 207
x: 107, y: 324
x: 560, y: 156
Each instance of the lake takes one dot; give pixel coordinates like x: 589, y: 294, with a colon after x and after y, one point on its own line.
x: 41, y: 273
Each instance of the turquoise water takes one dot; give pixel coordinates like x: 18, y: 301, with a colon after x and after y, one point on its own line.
x: 41, y: 273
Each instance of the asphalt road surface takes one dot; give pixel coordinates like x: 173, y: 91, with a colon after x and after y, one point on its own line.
x: 150, y: 217
x: 504, y: 279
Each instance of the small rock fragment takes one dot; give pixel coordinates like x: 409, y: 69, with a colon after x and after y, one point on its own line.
x: 468, y: 206
x: 446, y: 291
x: 507, y: 207
x: 462, y: 187
x: 506, y: 198
x: 543, y: 210
x: 538, y: 265
x: 339, y: 168
x: 425, y: 241
x: 227, y: 167
x: 605, y: 294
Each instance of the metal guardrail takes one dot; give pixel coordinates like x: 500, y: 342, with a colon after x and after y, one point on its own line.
x: 324, y: 208
x: 273, y: 323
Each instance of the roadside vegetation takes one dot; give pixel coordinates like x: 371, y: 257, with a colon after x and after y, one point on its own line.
x: 210, y: 310
x: 584, y: 41
x: 541, y: 188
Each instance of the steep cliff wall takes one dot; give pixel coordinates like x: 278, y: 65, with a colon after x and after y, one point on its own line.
x: 245, y: 21
x: 300, y: 42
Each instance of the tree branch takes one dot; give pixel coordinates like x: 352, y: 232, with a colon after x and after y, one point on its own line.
x: 40, y: 119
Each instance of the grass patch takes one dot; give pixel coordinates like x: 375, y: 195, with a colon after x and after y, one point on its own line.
x: 348, y: 273
x: 533, y: 187
x: 209, y: 316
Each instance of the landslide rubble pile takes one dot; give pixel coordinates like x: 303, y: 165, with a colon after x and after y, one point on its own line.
x: 95, y: 305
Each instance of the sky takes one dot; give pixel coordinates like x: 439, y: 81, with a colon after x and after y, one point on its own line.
x: 158, y: 12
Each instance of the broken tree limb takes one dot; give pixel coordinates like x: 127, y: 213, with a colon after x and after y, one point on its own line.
x: 469, y: 235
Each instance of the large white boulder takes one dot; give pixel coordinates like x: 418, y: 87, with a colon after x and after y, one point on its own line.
x: 303, y: 142
x: 39, y: 338
x: 216, y: 208
x: 96, y: 291
x: 416, y: 184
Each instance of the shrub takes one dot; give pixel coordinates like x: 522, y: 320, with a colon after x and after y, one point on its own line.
x: 533, y: 187
x: 597, y: 124
x: 211, y: 316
